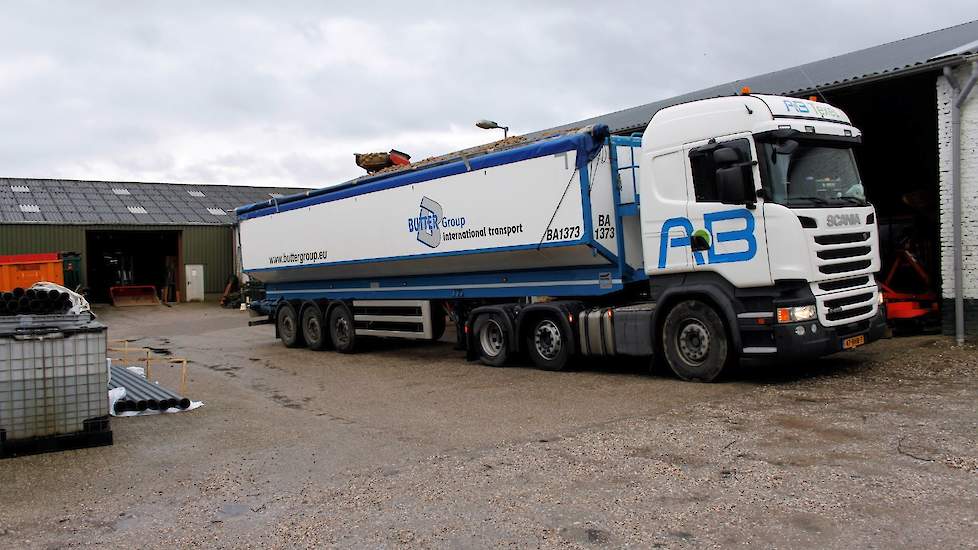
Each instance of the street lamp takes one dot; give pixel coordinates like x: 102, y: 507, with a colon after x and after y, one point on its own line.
x: 490, y: 125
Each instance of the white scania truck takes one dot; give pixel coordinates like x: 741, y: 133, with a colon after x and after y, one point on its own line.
x: 734, y: 227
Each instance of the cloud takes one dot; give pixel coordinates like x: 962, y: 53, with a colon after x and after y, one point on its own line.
x: 285, y: 93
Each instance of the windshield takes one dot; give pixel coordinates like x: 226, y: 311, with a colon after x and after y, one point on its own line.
x: 812, y: 174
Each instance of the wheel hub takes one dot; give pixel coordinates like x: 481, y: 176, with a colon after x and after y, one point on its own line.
x: 312, y: 327
x: 492, y: 339
x: 694, y: 342
x: 546, y: 339
x: 288, y: 327
x: 342, y: 330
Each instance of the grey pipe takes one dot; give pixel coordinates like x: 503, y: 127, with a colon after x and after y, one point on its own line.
x: 157, y: 397
x: 142, y: 390
x: 959, y: 95
x: 140, y: 385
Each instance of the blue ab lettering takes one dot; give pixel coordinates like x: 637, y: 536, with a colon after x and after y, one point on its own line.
x: 745, y: 235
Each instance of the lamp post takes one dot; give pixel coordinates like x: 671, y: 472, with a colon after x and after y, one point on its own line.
x: 490, y: 125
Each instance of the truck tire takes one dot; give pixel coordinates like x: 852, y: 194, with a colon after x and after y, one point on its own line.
x: 287, y: 323
x: 694, y: 341
x: 313, y: 327
x: 548, y: 344
x: 491, y: 340
x: 342, y: 331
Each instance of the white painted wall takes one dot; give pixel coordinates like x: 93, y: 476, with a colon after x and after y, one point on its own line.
x: 969, y: 185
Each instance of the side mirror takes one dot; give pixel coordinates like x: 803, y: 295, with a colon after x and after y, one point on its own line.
x: 731, y: 185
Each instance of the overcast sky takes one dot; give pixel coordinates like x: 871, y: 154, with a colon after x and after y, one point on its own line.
x: 283, y: 93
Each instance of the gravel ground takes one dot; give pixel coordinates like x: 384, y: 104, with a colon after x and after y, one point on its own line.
x: 409, y: 445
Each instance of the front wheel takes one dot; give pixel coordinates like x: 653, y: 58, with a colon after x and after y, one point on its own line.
x: 548, y: 344
x: 695, y: 341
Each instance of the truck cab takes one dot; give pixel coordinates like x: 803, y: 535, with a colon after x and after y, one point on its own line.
x: 753, y: 205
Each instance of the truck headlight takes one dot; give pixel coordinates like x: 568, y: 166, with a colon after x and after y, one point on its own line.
x: 796, y: 314
x: 879, y: 298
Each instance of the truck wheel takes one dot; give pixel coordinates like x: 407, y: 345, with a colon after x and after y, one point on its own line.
x: 491, y: 340
x: 287, y: 323
x: 313, y: 327
x: 695, y: 342
x: 548, y: 344
x: 341, y: 329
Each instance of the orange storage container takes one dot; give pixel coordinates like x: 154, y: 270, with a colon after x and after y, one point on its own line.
x: 23, y: 270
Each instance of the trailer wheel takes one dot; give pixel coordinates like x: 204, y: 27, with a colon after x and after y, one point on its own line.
x: 287, y: 322
x: 491, y: 340
x: 695, y: 341
x: 313, y: 327
x: 548, y: 344
x: 341, y: 329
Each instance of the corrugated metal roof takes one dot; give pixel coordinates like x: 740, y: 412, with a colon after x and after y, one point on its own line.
x: 49, y: 201
x: 930, y: 50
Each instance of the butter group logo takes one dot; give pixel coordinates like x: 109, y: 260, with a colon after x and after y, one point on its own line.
x: 430, y: 222
x: 427, y: 224
x: 746, y: 235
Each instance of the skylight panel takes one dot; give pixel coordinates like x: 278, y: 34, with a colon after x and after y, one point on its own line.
x: 196, y: 193
x: 30, y: 208
x: 217, y: 211
x: 121, y: 191
x: 136, y: 210
x: 20, y: 189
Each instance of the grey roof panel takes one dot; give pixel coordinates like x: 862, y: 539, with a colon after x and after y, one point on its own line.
x: 930, y: 49
x: 94, y: 202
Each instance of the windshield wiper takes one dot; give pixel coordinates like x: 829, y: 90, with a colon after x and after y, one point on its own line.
x: 854, y: 200
x: 817, y: 200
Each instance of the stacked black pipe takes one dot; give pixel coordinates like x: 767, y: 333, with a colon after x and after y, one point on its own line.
x: 141, y: 394
x: 34, y: 302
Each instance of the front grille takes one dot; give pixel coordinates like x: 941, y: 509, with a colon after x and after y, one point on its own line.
x: 844, y: 267
x: 848, y: 300
x: 839, y: 253
x: 842, y: 238
x: 843, y: 284
x: 848, y: 313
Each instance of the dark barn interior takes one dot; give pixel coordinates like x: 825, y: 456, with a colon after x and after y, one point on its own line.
x: 121, y: 258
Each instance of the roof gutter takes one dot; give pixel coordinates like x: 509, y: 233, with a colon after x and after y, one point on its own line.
x: 959, y: 96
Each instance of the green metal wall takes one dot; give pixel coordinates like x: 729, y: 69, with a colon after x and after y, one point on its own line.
x: 209, y: 245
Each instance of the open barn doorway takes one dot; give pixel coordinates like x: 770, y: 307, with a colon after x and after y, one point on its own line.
x: 898, y: 161
x: 123, y: 258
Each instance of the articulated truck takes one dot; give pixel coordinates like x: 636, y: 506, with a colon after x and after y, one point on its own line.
x: 732, y: 228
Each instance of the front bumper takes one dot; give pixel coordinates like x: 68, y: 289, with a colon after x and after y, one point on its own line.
x: 817, y: 340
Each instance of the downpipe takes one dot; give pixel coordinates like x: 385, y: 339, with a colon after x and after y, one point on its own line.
x: 959, y: 96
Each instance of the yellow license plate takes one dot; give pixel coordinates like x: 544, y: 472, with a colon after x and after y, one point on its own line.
x: 854, y: 342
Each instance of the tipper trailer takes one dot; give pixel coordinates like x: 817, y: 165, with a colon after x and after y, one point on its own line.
x: 734, y: 227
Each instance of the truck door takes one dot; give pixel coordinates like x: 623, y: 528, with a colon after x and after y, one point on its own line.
x: 728, y: 239
x: 665, y: 240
